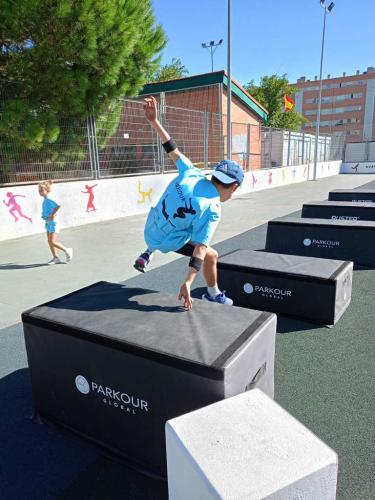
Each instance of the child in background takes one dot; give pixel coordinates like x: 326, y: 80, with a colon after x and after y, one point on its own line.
x: 49, y: 210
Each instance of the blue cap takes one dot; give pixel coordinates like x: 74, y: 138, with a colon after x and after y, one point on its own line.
x: 228, y: 171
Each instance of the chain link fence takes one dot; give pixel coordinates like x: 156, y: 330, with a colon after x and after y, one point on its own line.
x: 121, y: 143
x: 359, y: 151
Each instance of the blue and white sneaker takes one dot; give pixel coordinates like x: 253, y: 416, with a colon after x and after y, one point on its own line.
x: 219, y: 299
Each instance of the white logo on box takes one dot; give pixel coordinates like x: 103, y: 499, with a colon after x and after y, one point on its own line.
x: 321, y: 243
x: 248, y: 288
x: 266, y: 291
x: 128, y: 403
x: 82, y: 385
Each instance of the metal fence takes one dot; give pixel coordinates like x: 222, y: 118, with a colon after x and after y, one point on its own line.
x: 121, y: 143
x: 285, y: 148
x: 360, y: 151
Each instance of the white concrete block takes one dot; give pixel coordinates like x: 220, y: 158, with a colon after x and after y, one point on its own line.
x: 247, y: 447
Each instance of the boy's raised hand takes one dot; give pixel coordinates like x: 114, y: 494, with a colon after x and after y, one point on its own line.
x: 150, y: 108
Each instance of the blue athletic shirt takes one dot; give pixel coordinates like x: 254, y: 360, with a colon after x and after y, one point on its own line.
x: 48, y: 207
x: 188, y: 210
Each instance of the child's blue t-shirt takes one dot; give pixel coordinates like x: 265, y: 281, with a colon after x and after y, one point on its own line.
x: 48, y: 207
x: 188, y: 210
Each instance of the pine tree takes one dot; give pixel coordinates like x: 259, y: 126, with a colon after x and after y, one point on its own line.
x: 63, y: 60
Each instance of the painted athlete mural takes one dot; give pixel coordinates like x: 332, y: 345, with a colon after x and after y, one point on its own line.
x: 15, y: 209
x: 90, y: 202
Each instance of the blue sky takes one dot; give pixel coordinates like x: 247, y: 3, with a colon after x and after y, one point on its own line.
x: 270, y: 36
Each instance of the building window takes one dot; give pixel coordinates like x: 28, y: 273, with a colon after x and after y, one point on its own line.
x: 328, y: 99
x: 352, y: 83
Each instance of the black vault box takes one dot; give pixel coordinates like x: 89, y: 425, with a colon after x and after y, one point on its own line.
x: 339, y: 210
x: 306, y: 287
x: 329, y: 239
x: 356, y: 195
x: 114, y: 363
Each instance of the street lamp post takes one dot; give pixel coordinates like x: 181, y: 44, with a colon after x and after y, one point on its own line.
x: 326, y: 9
x: 229, y: 86
x: 213, y: 47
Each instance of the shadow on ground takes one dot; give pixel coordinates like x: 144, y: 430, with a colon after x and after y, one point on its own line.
x: 12, y: 266
x: 36, y: 460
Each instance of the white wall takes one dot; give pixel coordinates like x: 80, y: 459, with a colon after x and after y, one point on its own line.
x: 121, y: 197
x: 366, y: 167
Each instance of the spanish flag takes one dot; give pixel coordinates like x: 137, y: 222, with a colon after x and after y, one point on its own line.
x: 288, y: 103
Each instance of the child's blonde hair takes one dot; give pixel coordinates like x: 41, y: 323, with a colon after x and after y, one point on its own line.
x: 47, y: 185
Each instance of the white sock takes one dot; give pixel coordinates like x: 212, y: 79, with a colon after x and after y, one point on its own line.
x: 213, y: 291
x: 150, y: 253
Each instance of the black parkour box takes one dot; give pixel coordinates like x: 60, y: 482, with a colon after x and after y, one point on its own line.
x: 339, y: 210
x: 329, y: 239
x: 356, y: 195
x: 310, y: 288
x: 114, y: 363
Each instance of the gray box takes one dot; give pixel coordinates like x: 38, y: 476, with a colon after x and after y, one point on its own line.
x: 339, y: 210
x: 309, y: 288
x: 355, y: 195
x: 113, y: 363
x: 329, y: 239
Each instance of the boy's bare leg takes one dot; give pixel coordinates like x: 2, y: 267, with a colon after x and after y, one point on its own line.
x: 53, y: 250
x: 55, y: 244
x: 210, y: 267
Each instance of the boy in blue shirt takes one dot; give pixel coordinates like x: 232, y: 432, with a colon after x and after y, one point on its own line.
x: 187, y: 214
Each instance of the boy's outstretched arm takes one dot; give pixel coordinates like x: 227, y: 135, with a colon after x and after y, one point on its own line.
x: 199, y: 255
x: 150, y: 108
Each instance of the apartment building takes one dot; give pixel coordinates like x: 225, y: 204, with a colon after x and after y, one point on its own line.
x: 348, y: 104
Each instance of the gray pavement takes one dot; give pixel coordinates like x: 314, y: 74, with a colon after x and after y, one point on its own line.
x: 323, y: 377
x: 106, y: 250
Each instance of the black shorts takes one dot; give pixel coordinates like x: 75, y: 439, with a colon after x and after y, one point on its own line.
x: 187, y: 249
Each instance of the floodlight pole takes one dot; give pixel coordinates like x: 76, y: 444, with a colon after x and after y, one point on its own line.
x: 326, y: 9
x: 213, y: 47
x: 229, y: 85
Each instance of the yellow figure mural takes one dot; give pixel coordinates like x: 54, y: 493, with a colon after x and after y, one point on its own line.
x: 144, y: 194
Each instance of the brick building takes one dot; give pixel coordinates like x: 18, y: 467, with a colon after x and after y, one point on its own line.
x: 347, y: 104
x: 206, y: 97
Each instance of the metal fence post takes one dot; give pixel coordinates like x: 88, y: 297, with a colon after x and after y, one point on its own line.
x: 270, y: 147
x: 91, y: 144
x: 325, y: 148
x: 367, y: 151
x: 95, y: 148
x: 248, y: 147
x: 288, y: 154
x: 303, y: 148
x: 205, y: 139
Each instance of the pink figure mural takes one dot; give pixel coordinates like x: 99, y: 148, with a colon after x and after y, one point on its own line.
x: 90, y: 202
x: 15, y: 209
x: 270, y: 178
x: 253, y: 180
